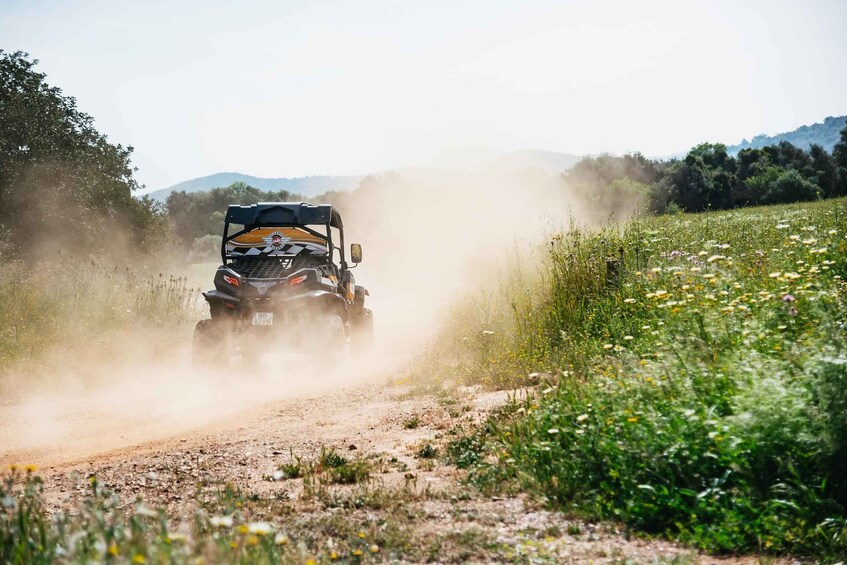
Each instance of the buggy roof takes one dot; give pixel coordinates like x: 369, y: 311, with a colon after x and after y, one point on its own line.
x: 283, y: 213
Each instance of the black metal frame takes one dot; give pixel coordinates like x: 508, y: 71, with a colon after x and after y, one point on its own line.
x: 305, y: 214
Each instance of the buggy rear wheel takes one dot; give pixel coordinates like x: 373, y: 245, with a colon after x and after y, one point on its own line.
x: 362, y: 331
x: 211, y: 344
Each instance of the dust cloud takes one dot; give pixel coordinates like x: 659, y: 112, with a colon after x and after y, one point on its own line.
x: 428, y: 237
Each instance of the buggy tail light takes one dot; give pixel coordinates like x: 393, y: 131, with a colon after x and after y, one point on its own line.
x: 232, y: 280
x: 297, y: 280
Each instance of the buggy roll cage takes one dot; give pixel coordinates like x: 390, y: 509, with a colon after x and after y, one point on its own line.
x: 285, y: 215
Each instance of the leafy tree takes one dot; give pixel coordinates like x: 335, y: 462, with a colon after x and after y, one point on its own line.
x: 62, y: 184
x: 824, y: 170
x: 791, y: 187
x: 756, y: 188
x: 197, y: 214
x: 839, y: 155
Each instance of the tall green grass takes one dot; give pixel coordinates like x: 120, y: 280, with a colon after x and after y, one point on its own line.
x: 697, y: 388
x: 71, y: 304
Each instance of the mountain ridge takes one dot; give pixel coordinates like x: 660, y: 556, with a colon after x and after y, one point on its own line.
x: 825, y: 134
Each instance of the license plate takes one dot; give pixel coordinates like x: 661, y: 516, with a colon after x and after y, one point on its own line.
x: 263, y: 318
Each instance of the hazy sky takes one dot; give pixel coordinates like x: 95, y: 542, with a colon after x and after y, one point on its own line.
x: 285, y: 88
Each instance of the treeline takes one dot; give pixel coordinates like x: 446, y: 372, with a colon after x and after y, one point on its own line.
x: 196, y: 219
x: 708, y: 178
x: 63, y: 186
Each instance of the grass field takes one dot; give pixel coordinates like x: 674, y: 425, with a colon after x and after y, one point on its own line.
x: 694, y: 378
x: 691, y: 376
x: 70, y: 306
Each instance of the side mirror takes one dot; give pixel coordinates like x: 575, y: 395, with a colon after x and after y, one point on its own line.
x: 356, y: 253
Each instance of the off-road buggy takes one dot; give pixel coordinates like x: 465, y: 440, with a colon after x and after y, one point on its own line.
x: 284, y: 281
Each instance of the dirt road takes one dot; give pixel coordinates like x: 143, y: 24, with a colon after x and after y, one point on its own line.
x: 167, y: 460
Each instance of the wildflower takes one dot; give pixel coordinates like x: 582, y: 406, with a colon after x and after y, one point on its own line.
x: 661, y: 293
x: 260, y: 528
x: 361, y: 535
x: 629, y: 301
x: 374, y: 548
x: 788, y: 298
x: 632, y: 419
x: 582, y: 417
x: 775, y: 275
x: 782, y: 226
x: 358, y: 552
x: 782, y: 327
x: 221, y: 521
x: 608, y: 346
x: 487, y: 332
x: 30, y: 468
x: 243, y: 529
x: 628, y: 337
x: 553, y: 431
x: 138, y: 558
x: 281, y: 539
x: 714, y: 258
x: 656, y: 270
x: 113, y: 549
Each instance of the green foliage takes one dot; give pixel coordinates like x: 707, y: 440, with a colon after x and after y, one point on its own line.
x: 195, y: 216
x: 427, y: 451
x: 709, y: 178
x: 693, y: 389
x: 60, y: 179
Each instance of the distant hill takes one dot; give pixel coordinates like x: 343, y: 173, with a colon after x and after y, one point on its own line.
x: 549, y: 161
x: 306, y: 186
x: 826, y: 135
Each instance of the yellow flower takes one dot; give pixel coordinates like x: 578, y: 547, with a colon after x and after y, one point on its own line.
x: 138, y: 558
x: 243, y: 529
x: 361, y: 535
x: 633, y: 419
x: 357, y: 552
x: 30, y: 468
x: 113, y: 549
